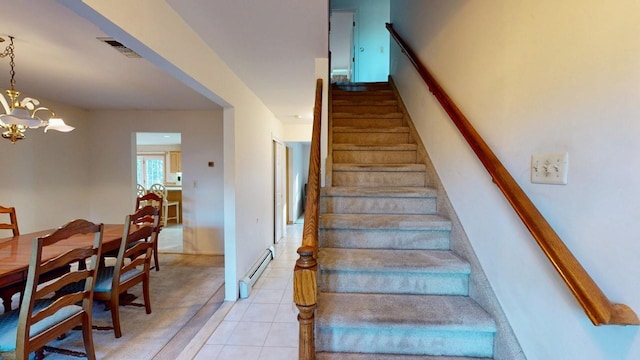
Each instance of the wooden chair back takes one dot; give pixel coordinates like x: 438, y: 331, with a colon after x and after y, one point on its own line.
x: 140, y: 190
x: 152, y: 199
x: 13, y: 220
x: 156, y: 201
x: 139, y: 237
x: 139, y: 234
x: 68, y: 310
x: 158, y: 189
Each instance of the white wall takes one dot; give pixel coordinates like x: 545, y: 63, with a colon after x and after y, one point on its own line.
x: 297, y: 131
x: 45, y: 176
x: 371, y: 38
x: 113, y: 169
x: 537, y: 76
x: 155, y: 31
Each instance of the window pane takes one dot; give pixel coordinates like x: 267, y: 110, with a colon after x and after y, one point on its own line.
x: 139, y: 177
x: 155, y: 171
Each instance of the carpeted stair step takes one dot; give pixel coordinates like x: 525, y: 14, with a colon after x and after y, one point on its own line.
x: 375, y: 154
x: 370, y: 107
x: 436, y: 272
x: 371, y: 136
x: 393, y: 119
x: 378, y: 95
x: 390, y: 286
x: 362, y: 87
x: 363, y: 104
x: 379, y: 175
x: 403, y: 324
x: 378, y: 200
x: 384, y: 231
x: 360, y: 356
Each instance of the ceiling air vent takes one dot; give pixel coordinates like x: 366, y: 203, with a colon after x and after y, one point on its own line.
x: 118, y: 46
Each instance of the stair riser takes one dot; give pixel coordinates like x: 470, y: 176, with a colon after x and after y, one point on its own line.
x: 361, y: 88
x: 395, y: 283
x: 375, y: 157
x: 368, y: 122
x: 379, y: 138
x: 376, y: 89
x: 372, y: 96
x: 364, y: 101
x: 359, y: 356
x: 377, y: 205
x: 384, y: 239
x: 365, y: 109
x: 409, y: 341
x: 378, y: 178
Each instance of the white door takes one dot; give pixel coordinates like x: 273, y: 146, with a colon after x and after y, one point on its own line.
x: 341, y: 45
x: 280, y: 208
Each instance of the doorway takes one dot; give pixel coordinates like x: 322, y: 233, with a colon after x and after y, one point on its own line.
x: 341, y: 45
x: 159, y: 161
x: 279, y: 191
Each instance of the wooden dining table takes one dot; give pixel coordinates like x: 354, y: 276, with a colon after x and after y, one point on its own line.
x: 15, y: 252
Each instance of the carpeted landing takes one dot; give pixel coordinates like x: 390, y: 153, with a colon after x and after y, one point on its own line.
x: 178, y: 291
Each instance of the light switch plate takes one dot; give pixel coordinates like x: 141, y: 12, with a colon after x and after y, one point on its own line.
x: 550, y: 168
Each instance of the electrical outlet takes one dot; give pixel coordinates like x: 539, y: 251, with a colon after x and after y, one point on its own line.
x: 550, y: 168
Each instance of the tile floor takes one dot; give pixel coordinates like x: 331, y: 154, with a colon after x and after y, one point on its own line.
x: 264, y: 326
x: 170, y: 239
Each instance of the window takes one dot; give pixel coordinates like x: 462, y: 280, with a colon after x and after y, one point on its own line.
x: 150, y: 170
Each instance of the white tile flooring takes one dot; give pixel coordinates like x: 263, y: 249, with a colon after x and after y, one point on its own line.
x: 264, y: 326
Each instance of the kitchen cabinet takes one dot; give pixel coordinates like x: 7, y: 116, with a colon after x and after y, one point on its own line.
x: 175, y: 162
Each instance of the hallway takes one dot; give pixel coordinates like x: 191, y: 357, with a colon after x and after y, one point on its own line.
x: 264, y: 326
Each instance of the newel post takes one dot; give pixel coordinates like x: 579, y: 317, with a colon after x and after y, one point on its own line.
x: 305, y: 297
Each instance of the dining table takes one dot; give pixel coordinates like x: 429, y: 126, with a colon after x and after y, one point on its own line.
x: 15, y: 252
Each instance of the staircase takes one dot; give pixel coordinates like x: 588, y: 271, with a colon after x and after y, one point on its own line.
x: 390, y: 288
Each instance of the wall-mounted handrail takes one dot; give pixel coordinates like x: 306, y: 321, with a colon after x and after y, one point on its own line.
x: 595, y: 303
x: 305, y: 287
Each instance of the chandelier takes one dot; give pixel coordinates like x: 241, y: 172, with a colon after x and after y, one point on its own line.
x: 20, y: 115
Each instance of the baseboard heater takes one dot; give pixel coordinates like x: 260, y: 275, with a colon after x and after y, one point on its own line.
x: 256, y: 270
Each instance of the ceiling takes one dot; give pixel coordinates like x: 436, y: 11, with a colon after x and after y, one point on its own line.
x: 157, y: 138
x: 271, y: 46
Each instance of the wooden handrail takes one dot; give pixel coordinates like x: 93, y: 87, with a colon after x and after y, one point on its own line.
x: 305, y: 287
x: 595, y: 303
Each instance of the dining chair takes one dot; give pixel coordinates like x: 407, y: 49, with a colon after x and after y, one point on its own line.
x: 137, y: 244
x: 161, y: 190
x: 43, y: 318
x: 7, y: 292
x: 140, y: 190
x: 13, y: 220
x: 154, y: 200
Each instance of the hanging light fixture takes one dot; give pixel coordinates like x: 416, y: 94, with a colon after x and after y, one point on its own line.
x: 24, y: 114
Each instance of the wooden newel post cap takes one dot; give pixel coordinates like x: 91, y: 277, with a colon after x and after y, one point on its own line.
x: 306, y: 259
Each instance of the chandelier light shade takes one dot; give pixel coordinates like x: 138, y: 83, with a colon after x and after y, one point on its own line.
x: 22, y: 114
